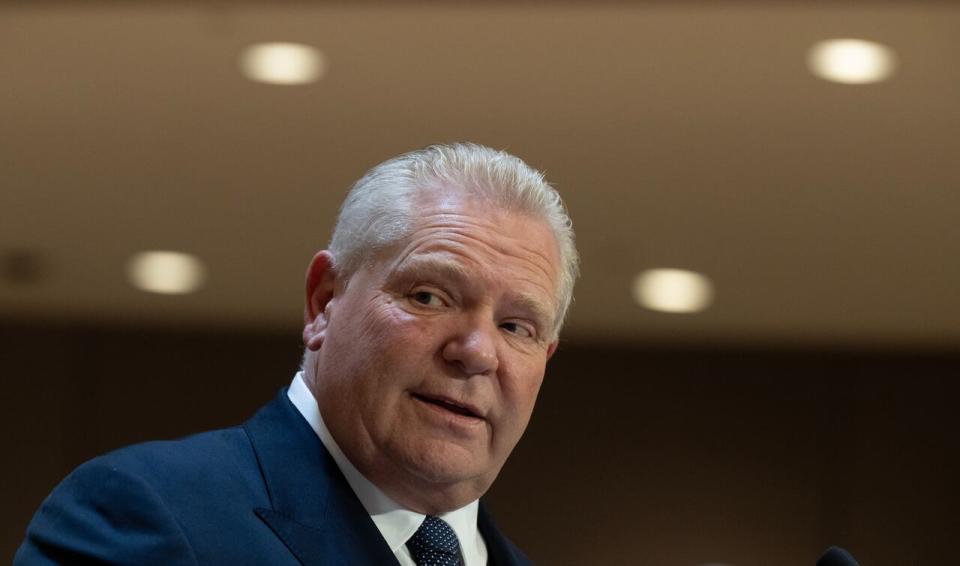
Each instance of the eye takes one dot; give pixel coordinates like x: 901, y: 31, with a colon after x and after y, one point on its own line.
x: 518, y: 329
x: 426, y: 298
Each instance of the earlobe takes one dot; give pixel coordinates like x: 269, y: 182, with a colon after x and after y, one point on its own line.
x: 320, y: 284
x: 313, y: 335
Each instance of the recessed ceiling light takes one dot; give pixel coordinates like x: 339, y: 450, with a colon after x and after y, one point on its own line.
x: 170, y: 273
x: 851, y: 61
x: 672, y: 290
x: 282, y: 63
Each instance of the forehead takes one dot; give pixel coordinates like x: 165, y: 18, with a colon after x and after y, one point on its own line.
x: 474, y: 238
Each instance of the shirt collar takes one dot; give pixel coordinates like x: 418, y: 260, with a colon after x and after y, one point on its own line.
x: 395, y: 523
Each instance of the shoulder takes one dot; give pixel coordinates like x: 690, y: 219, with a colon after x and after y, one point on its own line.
x: 105, y: 511
x: 135, y: 505
x: 175, y: 461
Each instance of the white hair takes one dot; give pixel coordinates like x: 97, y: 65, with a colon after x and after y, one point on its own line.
x: 380, y: 209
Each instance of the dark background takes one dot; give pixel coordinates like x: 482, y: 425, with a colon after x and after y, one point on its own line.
x: 653, y: 456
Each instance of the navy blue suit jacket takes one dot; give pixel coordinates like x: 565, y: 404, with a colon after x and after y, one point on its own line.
x: 266, y: 492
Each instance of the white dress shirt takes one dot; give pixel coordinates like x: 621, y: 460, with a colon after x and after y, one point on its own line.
x: 395, y: 523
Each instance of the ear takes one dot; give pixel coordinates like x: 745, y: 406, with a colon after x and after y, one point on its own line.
x: 321, y: 281
x: 552, y: 348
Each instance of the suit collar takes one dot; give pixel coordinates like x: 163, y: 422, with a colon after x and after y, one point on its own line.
x: 313, y: 510
x: 396, y: 523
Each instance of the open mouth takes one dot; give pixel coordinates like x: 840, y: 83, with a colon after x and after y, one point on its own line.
x: 448, y: 405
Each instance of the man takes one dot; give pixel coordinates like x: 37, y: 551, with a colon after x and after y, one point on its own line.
x: 428, y: 325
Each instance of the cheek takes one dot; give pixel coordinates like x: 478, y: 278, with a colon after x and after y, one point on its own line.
x: 391, y: 346
x: 521, y: 391
x: 379, y: 325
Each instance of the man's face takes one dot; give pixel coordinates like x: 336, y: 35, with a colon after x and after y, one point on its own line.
x: 429, y: 359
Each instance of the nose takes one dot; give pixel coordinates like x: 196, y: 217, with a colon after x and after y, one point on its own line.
x: 474, y: 350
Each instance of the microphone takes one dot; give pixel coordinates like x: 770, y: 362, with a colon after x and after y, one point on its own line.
x: 836, y: 556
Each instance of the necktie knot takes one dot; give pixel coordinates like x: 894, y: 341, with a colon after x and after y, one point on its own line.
x: 435, y: 544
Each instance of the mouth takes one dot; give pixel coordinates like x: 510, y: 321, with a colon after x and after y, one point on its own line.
x: 449, y: 405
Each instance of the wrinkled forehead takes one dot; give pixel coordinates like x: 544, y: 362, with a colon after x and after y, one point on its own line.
x: 536, y: 240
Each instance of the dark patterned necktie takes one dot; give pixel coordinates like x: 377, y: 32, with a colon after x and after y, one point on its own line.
x: 435, y: 544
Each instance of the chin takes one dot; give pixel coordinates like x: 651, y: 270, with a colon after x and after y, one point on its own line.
x: 436, y: 485
x: 448, y: 470
x: 438, y: 469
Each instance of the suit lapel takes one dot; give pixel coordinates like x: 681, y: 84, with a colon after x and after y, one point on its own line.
x: 313, y: 510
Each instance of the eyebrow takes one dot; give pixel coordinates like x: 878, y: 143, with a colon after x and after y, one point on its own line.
x: 427, y: 267
x: 539, y: 312
x: 436, y: 265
